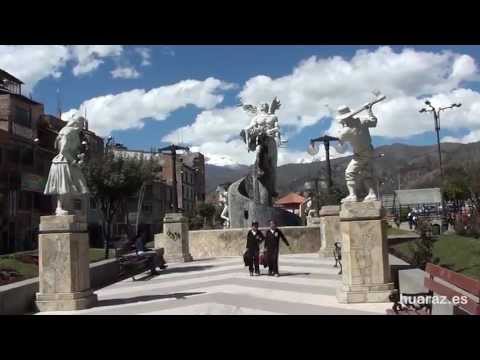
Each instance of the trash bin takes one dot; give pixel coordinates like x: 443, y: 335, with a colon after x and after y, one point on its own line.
x: 435, y: 229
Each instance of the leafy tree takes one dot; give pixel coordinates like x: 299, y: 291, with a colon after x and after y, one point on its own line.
x: 456, y: 184
x: 207, y: 212
x: 112, y: 179
x: 423, y: 248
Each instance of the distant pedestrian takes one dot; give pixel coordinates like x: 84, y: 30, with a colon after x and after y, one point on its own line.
x: 410, y: 220
x: 254, y: 238
x: 272, y: 246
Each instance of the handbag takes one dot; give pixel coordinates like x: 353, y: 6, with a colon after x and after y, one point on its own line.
x: 264, y: 259
x: 246, y: 258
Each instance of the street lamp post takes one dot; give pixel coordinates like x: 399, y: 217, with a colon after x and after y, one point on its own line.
x: 436, y: 117
x: 172, y: 149
x: 326, y: 139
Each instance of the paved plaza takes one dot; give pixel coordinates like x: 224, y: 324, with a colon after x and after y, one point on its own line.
x: 222, y: 286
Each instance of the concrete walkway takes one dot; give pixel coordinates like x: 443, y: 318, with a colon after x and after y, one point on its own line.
x: 222, y: 286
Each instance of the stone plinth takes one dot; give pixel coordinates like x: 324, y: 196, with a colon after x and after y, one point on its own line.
x: 64, y: 272
x: 329, y: 229
x: 366, y: 271
x: 174, y: 239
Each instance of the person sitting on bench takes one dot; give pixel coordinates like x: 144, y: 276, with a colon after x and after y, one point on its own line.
x: 159, y: 261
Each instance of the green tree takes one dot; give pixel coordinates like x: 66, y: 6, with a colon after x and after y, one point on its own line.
x: 112, y: 179
x: 456, y: 184
x: 207, y: 212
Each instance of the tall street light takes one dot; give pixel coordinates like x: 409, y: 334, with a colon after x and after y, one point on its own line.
x: 436, y: 116
x: 326, y: 139
x: 172, y: 149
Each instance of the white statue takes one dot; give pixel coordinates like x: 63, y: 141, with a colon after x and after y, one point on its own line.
x: 65, y: 177
x: 356, y: 132
x: 263, y: 137
x: 223, y: 200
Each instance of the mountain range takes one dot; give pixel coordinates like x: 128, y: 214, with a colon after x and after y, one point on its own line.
x: 397, y: 166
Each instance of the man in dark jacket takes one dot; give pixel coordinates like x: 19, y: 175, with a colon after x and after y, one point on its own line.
x: 254, y: 238
x: 272, y: 245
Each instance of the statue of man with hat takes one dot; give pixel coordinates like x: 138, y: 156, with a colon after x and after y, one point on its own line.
x: 356, y: 132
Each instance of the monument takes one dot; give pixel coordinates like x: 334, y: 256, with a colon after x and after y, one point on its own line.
x: 174, y: 239
x: 329, y: 229
x: 64, y: 272
x: 251, y: 198
x: 366, y: 271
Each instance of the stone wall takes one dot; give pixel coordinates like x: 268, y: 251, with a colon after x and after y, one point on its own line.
x: 231, y: 242
x: 19, y: 297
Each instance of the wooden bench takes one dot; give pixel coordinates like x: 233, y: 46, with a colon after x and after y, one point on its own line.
x: 448, y: 287
x: 463, y: 286
x: 133, y: 263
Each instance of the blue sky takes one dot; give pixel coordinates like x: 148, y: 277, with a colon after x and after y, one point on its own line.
x: 86, y: 74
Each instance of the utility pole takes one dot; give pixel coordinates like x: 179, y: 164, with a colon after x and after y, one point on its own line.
x: 172, y: 149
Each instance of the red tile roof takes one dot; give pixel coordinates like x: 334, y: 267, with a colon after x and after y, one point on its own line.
x: 291, y: 198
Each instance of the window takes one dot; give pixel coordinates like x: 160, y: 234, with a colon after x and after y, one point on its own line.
x: 27, y: 157
x: 147, y: 207
x: 25, y: 200
x: 93, y: 204
x: 13, y: 156
x: 77, y: 204
x: 23, y: 117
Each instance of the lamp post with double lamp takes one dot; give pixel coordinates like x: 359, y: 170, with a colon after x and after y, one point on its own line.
x: 172, y: 150
x: 436, y: 117
x: 326, y: 139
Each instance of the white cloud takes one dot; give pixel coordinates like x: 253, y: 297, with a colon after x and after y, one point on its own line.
x: 32, y: 63
x: 167, y: 50
x: 405, y: 77
x: 125, y: 73
x: 145, y: 54
x: 89, y: 57
x: 129, y: 109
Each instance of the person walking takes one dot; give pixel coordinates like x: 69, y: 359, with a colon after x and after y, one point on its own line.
x: 272, y: 246
x: 254, y: 238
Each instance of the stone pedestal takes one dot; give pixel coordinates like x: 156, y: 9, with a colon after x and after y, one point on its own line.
x: 174, y: 239
x: 366, y: 271
x: 329, y: 229
x: 64, y: 272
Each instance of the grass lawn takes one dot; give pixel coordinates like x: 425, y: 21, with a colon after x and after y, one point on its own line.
x: 28, y: 271
x: 396, y: 231
x: 458, y: 253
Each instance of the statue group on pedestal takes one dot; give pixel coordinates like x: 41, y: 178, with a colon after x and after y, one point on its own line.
x: 263, y: 137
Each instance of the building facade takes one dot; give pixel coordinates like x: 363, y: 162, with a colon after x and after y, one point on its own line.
x: 158, y: 196
x: 27, y: 138
x: 26, y: 150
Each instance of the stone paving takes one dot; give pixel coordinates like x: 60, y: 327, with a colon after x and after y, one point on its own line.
x: 222, y: 286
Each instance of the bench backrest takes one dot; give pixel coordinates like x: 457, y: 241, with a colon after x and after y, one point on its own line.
x: 468, y: 285
x: 123, y: 248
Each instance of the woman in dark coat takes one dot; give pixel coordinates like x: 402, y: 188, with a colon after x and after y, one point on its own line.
x: 272, y: 246
x: 254, y: 238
